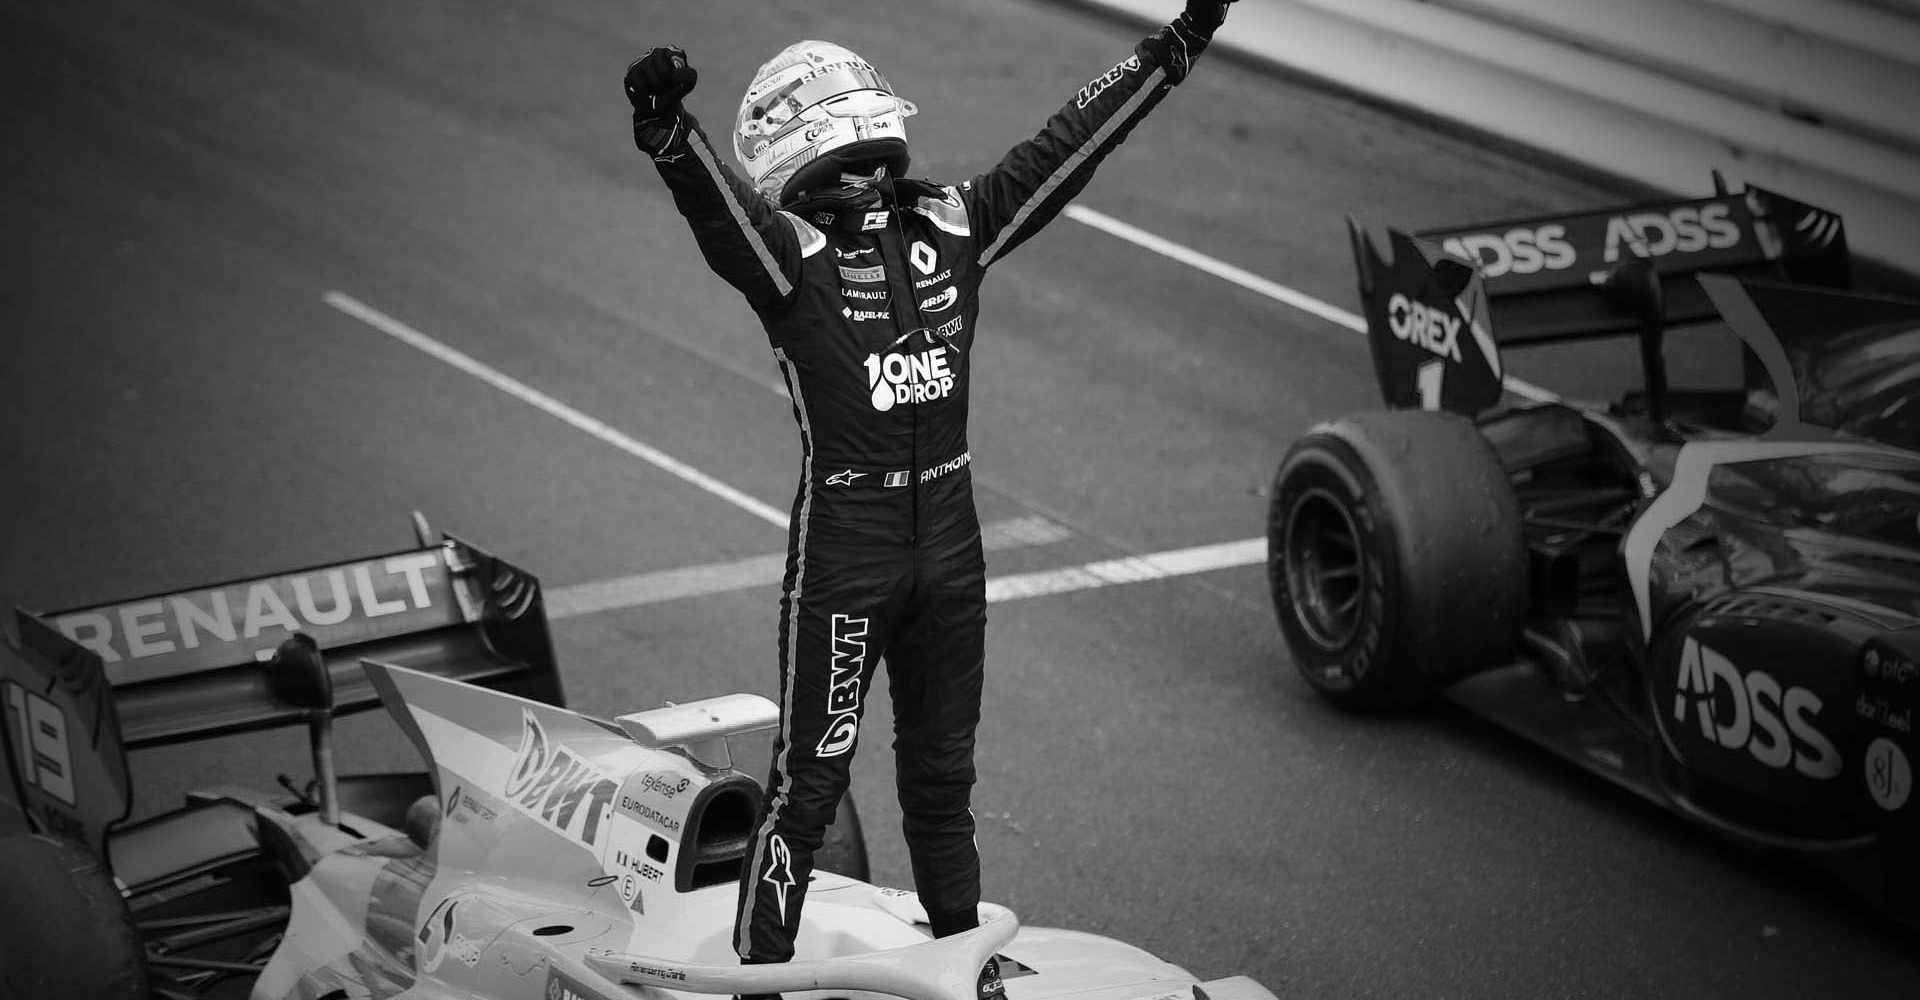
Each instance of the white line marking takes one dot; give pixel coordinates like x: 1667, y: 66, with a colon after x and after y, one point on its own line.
x: 666, y: 585
x: 763, y: 571
x: 1129, y: 569
x: 1253, y: 282
x: 527, y: 394
x: 1216, y: 267
x: 754, y: 571
x: 1031, y: 529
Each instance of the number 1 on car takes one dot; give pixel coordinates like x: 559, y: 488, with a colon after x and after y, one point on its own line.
x: 1429, y: 377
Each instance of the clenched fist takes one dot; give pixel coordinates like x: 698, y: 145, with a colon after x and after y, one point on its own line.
x: 1175, y: 46
x: 658, y: 81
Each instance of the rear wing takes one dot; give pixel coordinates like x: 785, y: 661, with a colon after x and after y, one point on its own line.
x: 194, y: 663
x: 1546, y: 275
x: 79, y: 688
x: 191, y: 665
x: 1625, y: 270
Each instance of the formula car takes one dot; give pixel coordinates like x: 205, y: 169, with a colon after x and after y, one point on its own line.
x: 540, y: 854
x: 1709, y: 595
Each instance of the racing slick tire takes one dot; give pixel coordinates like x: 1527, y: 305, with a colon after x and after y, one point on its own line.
x: 65, y: 930
x: 844, y: 852
x: 1395, y: 557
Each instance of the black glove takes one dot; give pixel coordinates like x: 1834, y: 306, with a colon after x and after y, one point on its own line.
x: 1176, y: 46
x: 656, y: 83
x: 659, y: 80
x: 1203, y: 17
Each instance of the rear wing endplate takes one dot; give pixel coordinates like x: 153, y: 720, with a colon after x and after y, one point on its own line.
x: 65, y: 771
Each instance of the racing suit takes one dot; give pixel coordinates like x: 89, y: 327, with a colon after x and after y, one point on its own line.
x: 870, y: 312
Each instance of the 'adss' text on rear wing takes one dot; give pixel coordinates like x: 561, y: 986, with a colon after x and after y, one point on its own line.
x: 1544, y: 274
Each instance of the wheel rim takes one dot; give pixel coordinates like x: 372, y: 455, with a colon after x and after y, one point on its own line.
x: 1326, y: 573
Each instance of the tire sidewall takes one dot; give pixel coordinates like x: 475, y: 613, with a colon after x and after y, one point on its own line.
x: 65, y: 930
x: 1360, y: 668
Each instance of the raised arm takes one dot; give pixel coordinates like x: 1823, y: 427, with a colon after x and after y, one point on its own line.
x: 1037, y: 178
x: 745, y: 239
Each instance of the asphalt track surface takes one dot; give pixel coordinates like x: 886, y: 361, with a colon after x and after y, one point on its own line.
x: 222, y: 220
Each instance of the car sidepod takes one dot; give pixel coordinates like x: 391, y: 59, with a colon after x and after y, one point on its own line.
x: 1887, y: 689
x: 1752, y: 701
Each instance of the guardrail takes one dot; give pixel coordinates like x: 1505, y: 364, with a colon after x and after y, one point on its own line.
x: 1817, y: 99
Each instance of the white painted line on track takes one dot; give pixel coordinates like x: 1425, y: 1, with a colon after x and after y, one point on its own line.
x: 765, y: 571
x: 666, y: 585
x: 754, y: 571
x: 1130, y: 569
x: 1253, y: 282
x: 534, y: 397
x: 1216, y: 267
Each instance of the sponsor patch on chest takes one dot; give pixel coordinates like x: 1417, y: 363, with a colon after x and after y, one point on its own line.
x: 895, y: 378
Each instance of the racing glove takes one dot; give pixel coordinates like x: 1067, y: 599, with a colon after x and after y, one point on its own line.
x: 656, y: 83
x: 1175, y: 47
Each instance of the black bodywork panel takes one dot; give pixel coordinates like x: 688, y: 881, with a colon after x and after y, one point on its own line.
x: 1725, y: 586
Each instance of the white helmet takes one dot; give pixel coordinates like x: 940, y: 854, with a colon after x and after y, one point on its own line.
x: 811, y: 100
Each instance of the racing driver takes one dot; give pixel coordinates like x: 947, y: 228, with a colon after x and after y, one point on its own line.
x: 866, y: 283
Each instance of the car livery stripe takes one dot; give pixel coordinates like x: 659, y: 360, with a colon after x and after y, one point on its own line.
x: 1692, y: 470
x: 1737, y: 308
x: 704, y: 153
x: 1128, y: 111
x: 1481, y: 336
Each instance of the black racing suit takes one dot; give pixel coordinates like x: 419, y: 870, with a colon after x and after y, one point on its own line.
x: 870, y: 311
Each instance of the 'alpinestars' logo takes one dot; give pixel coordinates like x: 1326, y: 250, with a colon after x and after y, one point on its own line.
x: 779, y: 872
x: 844, y: 478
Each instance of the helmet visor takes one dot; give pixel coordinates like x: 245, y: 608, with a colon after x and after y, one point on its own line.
x: 842, y: 89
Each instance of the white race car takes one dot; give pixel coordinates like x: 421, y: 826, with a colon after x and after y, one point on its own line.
x: 543, y: 855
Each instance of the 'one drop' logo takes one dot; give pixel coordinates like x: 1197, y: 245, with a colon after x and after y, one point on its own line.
x: 909, y: 378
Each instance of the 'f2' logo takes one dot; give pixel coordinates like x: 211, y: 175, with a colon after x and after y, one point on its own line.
x: 843, y: 690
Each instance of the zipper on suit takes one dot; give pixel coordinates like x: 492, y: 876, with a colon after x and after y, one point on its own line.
x: 907, y: 320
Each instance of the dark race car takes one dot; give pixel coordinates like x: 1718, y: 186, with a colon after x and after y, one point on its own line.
x: 1708, y: 595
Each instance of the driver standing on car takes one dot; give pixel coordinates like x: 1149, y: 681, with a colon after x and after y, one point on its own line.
x: 866, y: 283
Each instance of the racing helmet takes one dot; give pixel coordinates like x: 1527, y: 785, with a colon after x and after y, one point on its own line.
x: 810, y: 111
